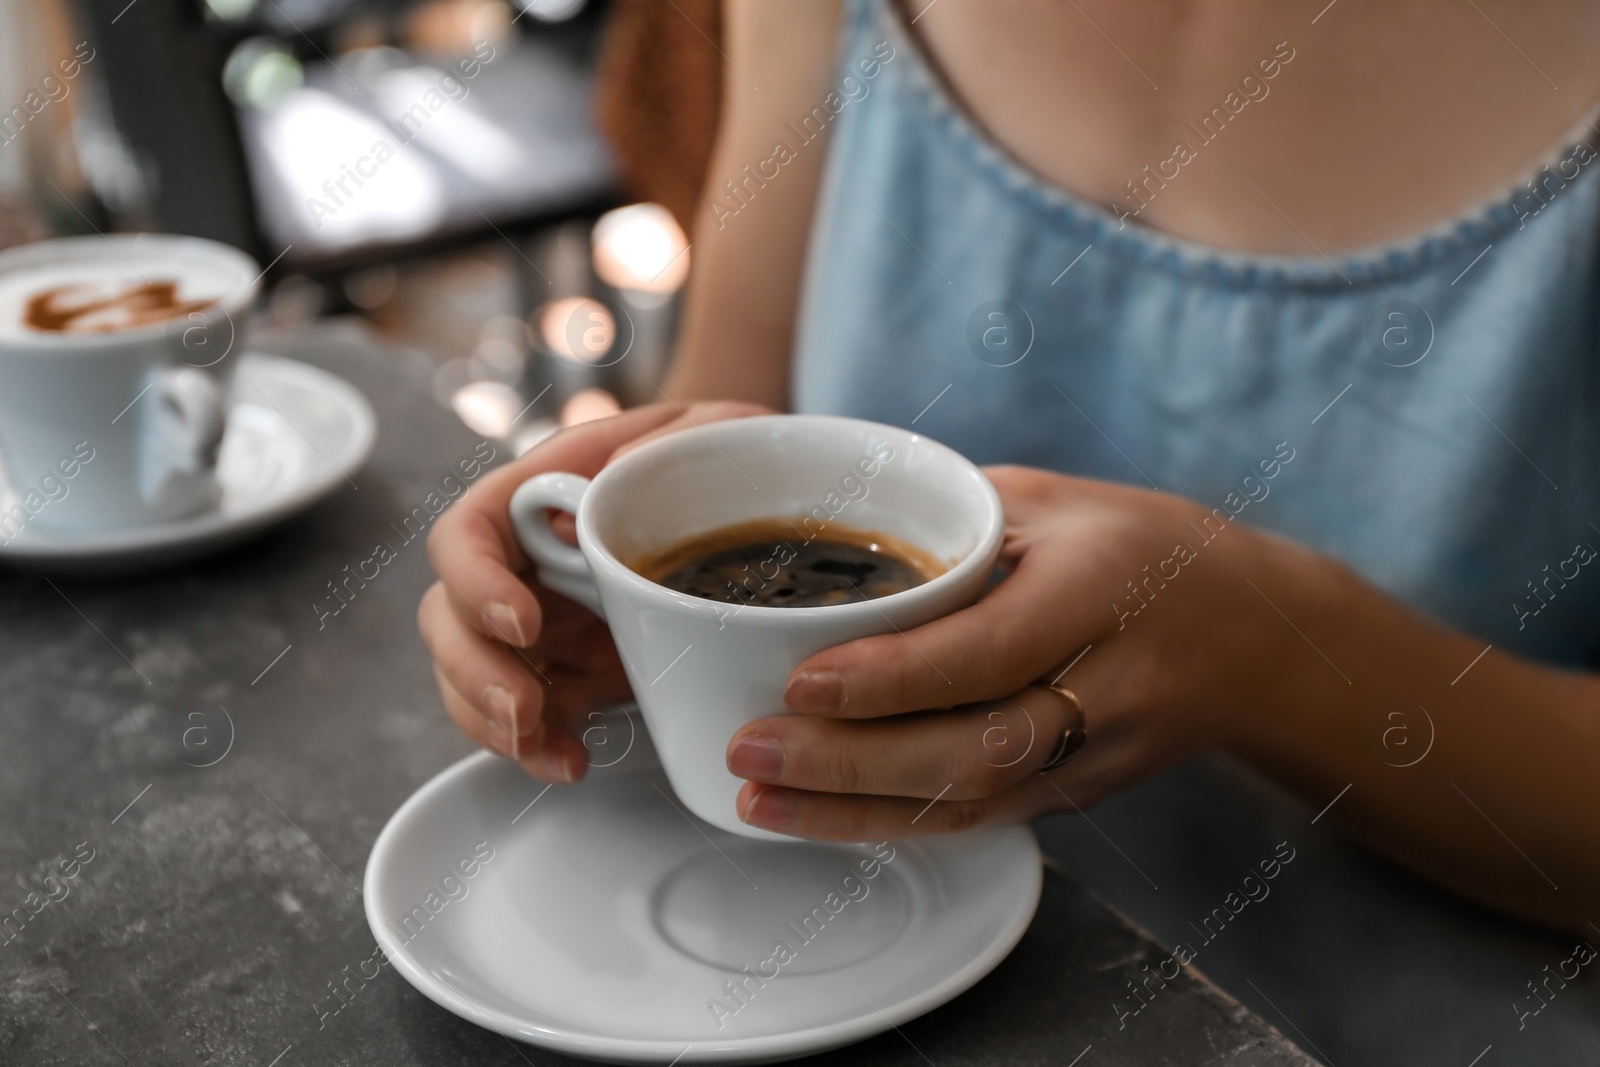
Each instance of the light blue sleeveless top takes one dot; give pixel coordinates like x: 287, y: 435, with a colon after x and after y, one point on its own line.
x: 1438, y: 397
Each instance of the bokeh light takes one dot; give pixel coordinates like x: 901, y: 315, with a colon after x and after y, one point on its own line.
x: 261, y: 73
x: 551, y: 10
x: 489, y: 408
x: 230, y: 10
x: 576, y: 327
x: 641, y: 247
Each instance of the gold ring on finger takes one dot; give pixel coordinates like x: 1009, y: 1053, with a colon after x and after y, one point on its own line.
x: 1074, y: 736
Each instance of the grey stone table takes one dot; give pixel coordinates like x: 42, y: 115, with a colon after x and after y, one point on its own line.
x: 211, y: 759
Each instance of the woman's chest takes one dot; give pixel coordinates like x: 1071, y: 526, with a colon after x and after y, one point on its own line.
x: 1272, y: 127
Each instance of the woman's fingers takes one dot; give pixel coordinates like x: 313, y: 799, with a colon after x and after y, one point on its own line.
x: 483, y: 671
x: 1099, y: 769
x: 562, y: 761
x: 836, y: 817
x: 966, y: 753
x: 473, y: 549
x: 469, y: 720
x: 517, y: 708
x: 500, y: 605
x: 696, y: 414
x: 482, y: 622
x: 1000, y: 644
x: 494, y: 697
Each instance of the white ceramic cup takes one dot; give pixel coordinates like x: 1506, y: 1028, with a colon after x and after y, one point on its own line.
x: 700, y: 669
x: 117, y: 429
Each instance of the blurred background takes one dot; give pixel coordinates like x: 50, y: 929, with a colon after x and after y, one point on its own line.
x: 503, y: 185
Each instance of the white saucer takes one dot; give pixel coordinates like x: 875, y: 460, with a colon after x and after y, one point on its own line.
x: 294, y: 435
x: 607, y: 919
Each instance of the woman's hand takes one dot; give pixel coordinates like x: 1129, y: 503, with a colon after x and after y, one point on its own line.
x: 1181, y: 630
x: 520, y: 667
x: 940, y: 728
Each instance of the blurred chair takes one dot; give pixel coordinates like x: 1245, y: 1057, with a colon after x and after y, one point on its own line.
x: 171, y: 130
x: 659, y: 97
x: 245, y: 118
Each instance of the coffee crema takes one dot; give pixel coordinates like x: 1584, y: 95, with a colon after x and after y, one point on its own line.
x: 137, y: 304
x: 770, y: 563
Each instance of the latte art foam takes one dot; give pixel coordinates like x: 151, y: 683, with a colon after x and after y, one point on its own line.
x: 89, y: 298
x: 80, y: 309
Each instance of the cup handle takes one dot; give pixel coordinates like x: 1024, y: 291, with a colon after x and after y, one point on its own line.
x: 561, y: 566
x: 193, y: 398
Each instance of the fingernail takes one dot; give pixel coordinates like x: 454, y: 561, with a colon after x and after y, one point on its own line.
x: 572, y: 767
x: 503, y: 621
x: 760, y: 759
x: 818, y: 692
x: 499, y: 740
x: 771, y: 809
x: 549, y: 766
x: 502, y: 707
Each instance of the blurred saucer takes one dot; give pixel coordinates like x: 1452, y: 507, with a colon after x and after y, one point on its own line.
x: 602, y: 920
x: 294, y: 435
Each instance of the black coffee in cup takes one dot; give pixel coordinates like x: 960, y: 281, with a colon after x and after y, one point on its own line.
x: 772, y: 563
